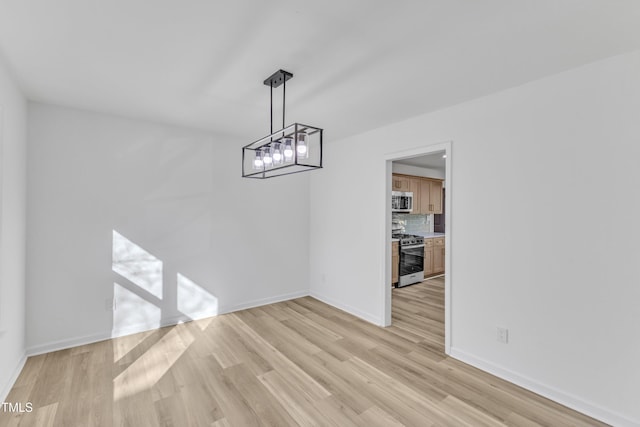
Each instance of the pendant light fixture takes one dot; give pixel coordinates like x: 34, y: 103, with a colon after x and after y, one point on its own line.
x: 292, y: 149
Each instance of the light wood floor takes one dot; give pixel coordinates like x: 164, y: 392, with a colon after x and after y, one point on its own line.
x: 299, y: 362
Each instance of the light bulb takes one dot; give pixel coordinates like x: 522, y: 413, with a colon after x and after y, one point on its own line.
x: 268, y: 160
x: 301, y: 146
x: 257, y: 162
x: 277, y: 154
x: 288, y: 151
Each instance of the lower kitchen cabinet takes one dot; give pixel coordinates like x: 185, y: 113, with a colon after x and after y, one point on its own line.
x: 438, y: 255
x: 433, y: 256
x: 428, y: 257
x: 395, y: 262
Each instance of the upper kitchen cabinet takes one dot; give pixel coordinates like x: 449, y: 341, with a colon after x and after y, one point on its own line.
x: 430, y: 196
x: 401, y: 183
x: 427, y: 192
x: 435, y: 196
x: 414, y: 187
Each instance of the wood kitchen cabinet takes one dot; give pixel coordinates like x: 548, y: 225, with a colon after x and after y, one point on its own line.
x: 433, y: 256
x: 414, y: 187
x: 428, y: 257
x: 435, y: 196
x: 430, y: 196
x: 395, y: 262
x: 438, y: 255
x: 400, y: 183
x: 427, y: 192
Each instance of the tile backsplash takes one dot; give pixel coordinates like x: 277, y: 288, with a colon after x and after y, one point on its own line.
x: 409, y: 223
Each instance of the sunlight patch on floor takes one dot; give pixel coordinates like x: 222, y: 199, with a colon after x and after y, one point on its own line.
x: 149, y: 368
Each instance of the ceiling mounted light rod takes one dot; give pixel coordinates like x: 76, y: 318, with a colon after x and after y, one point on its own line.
x: 292, y: 149
x: 278, y: 78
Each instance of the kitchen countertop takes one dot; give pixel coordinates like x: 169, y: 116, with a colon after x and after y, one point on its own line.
x: 423, y: 234
x: 429, y: 235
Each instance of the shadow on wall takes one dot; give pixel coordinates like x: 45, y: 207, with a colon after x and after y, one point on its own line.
x: 138, y: 297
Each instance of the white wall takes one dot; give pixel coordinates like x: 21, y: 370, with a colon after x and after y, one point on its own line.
x: 13, y: 115
x: 524, y: 249
x: 192, y: 237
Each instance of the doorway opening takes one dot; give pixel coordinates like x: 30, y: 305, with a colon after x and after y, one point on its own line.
x: 417, y: 286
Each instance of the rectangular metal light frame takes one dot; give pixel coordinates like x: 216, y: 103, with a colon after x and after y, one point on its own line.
x: 297, y: 166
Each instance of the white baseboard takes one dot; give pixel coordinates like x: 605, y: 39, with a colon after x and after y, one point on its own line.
x: 349, y: 309
x: 144, y: 327
x: 549, y: 392
x: 66, y: 343
x: 263, y: 301
x: 6, y: 388
x: 134, y: 329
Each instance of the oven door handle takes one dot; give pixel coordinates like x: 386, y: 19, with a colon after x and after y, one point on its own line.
x: 412, y: 246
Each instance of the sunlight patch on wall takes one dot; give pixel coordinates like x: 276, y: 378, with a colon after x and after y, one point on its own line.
x: 136, y: 265
x: 133, y: 313
x: 194, y: 301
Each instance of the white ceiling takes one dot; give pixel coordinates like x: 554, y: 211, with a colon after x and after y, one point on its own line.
x: 430, y: 161
x: 358, y: 64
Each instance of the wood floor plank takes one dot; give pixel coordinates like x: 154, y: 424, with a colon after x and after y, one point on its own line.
x: 300, y: 406
x: 334, y: 412
x: 328, y: 371
x: 376, y: 417
x: 266, y: 406
x: 232, y: 404
x: 54, y: 378
x: 298, y: 362
x: 221, y: 423
x: 281, y: 363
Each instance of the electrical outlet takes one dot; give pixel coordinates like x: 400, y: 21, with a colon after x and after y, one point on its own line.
x: 503, y: 335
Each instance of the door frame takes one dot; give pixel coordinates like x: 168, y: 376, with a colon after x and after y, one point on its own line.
x: 386, y: 238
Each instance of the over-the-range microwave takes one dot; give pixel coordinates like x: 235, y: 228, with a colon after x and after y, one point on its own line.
x: 401, y: 201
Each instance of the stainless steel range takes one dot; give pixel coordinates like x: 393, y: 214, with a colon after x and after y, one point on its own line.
x: 411, y: 259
